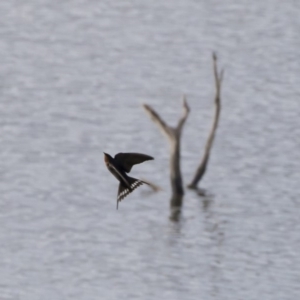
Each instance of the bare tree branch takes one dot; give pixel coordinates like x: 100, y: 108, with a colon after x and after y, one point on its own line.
x: 203, y: 165
x: 185, y: 114
x: 165, y: 129
x: 174, y: 135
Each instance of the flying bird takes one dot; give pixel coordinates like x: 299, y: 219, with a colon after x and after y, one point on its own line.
x: 122, y: 164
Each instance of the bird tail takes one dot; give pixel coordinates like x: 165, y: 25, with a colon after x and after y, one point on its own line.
x: 125, y: 190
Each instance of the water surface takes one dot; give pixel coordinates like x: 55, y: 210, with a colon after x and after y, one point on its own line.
x: 73, y: 78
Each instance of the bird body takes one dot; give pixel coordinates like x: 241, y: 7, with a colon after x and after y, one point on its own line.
x: 122, y: 164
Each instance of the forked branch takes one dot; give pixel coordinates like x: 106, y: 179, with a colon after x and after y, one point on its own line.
x: 173, y: 135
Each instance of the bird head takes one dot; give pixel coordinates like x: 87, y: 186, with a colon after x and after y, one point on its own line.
x: 107, y: 158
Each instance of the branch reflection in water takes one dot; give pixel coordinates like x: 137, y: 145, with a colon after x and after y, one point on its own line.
x: 214, y: 228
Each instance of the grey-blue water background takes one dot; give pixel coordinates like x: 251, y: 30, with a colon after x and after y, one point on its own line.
x: 73, y: 76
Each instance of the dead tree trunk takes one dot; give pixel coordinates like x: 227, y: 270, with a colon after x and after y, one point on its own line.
x: 173, y: 135
x: 203, y: 165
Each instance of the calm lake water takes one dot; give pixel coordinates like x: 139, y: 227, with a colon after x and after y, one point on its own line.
x: 74, y: 75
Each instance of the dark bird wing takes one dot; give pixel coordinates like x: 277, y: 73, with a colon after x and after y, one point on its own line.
x: 127, y: 160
